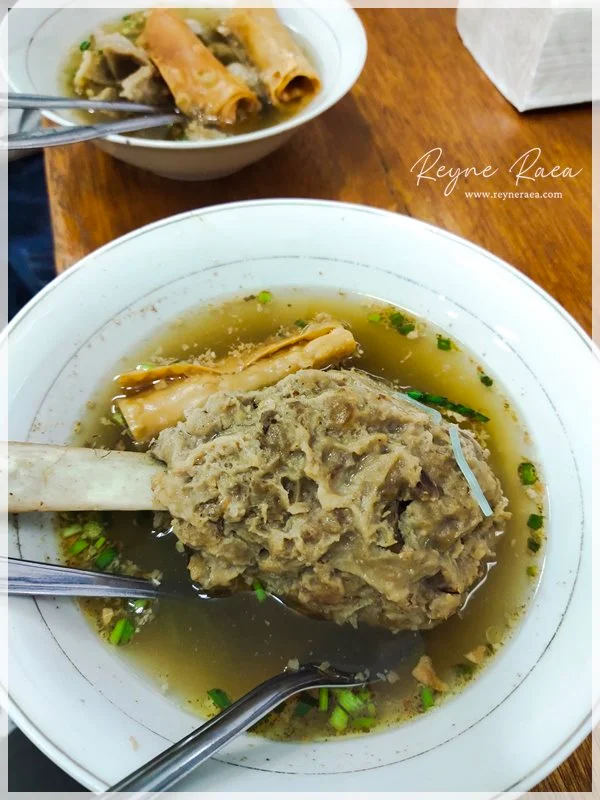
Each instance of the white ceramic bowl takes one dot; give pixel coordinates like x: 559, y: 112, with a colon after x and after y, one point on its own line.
x: 40, y: 38
x: 81, y: 703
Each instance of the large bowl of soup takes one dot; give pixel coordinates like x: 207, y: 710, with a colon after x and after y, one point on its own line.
x: 243, y: 80
x: 327, y: 352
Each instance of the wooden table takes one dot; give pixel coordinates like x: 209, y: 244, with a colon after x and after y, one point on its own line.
x: 420, y: 90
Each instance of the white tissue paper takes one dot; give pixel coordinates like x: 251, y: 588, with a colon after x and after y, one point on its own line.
x: 537, y: 57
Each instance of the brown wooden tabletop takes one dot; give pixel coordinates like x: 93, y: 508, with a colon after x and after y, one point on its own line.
x: 420, y: 90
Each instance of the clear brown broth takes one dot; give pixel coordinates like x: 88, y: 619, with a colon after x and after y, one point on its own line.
x: 234, y: 643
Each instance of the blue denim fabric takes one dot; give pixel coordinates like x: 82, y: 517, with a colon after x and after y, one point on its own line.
x: 30, y: 248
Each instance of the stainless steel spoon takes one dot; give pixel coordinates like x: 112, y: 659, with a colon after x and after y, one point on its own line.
x: 82, y: 133
x: 402, y: 651
x: 351, y: 662
x: 33, y: 578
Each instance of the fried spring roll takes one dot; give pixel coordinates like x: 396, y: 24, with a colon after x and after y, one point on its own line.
x: 284, y: 69
x: 147, y: 413
x: 202, y: 87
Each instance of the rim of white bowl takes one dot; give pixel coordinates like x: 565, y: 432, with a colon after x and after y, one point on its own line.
x: 314, y: 109
x: 575, y: 735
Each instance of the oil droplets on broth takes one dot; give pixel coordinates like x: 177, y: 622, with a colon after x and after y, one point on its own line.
x: 190, y: 648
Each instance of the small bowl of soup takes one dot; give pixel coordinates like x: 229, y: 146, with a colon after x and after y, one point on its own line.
x: 242, y: 79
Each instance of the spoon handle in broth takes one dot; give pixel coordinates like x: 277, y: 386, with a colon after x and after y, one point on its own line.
x: 171, y: 766
x: 46, y: 477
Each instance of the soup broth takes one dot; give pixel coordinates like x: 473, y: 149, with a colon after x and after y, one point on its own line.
x: 233, y: 643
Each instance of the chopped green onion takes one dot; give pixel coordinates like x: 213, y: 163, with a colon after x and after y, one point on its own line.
x: 259, y: 590
x: 399, y: 322
x: 145, y: 366
x: 305, y: 704
x: 118, y: 419
x: 374, y: 317
x: 99, y: 542
x: 85, y: 45
x: 78, y: 547
x: 71, y: 530
x: 364, y: 723
x: 364, y: 694
x: 535, y: 522
x: 301, y: 709
x: 532, y: 571
x: 338, y: 719
x: 127, y: 16
x: 106, y: 558
x: 443, y: 402
x: 486, y: 380
x: 433, y: 412
x: 92, y: 530
x: 323, y: 699
x: 426, y: 697
x: 370, y: 709
x: 348, y: 700
x: 122, y: 632
x: 301, y: 323
x: 264, y: 297
x: 138, y: 605
x: 219, y: 698
x: 396, y: 319
x: 444, y: 344
x: 527, y: 473
x: 533, y: 544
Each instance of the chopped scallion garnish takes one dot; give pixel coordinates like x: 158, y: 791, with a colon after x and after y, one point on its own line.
x: 443, y: 343
x: 71, y: 530
x: 399, y: 322
x: 85, y: 45
x: 100, y: 542
x: 106, y: 558
x: 486, y: 380
x: 323, y: 699
x: 301, y: 709
x: 264, y: 297
x: 92, y: 529
x: 78, y: 547
x: 122, y: 632
x: 533, y: 544
x: 259, y: 590
x: 426, y: 697
x: 527, y: 473
x: 443, y: 402
x: 535, y: 522
x: 375, y: 317
x: 219, y: 698
x: 338, y: 719
x: 300, y: 323
x: 118, y: 419
x: 532, y: 571
x: 348, y: 700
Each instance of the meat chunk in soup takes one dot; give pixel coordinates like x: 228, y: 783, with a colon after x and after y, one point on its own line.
x: 334, y: 492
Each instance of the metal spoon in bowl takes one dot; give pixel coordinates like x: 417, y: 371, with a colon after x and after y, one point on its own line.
x: 399, y: 652
x: 349, y: 661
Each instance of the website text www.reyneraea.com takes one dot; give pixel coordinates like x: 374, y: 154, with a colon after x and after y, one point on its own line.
x: 514, y: 195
